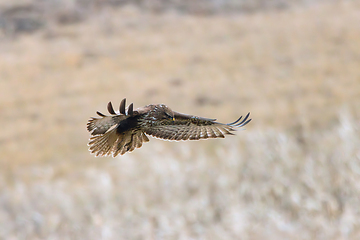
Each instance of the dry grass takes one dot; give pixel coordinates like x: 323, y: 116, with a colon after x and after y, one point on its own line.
x: 293, y: 174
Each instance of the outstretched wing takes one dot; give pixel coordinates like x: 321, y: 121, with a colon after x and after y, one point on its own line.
x: 188, y: 127
x: 116, y: 134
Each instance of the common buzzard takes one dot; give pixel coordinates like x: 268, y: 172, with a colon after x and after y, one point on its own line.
x: 124, y: 131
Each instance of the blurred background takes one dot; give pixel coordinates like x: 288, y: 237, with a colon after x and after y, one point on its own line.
x: 294, y: 173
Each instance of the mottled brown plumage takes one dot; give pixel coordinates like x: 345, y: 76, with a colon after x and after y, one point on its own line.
x: 123, y: 132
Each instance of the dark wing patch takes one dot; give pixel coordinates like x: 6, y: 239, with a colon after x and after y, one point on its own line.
x: 101, y: 125
x: 188, y: 127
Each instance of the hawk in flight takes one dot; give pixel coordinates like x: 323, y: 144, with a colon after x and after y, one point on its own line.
x: 124, y: 131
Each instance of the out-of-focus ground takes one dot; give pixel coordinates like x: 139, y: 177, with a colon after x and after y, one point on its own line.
x: 293, y: 174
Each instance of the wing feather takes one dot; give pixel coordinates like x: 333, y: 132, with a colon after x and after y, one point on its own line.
x: 122, y: 106
x: 218, y: 132
x: 101, y: 125
x: 210, y: 132
x: 188, y: 127
x: 113, y: 143
x: 202, y: 133
x: 110, y: 108
x: 144, y: 138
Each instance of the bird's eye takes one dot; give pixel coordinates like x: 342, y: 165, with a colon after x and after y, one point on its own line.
x: 168, y: 115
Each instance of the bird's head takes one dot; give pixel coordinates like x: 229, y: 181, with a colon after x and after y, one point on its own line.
x: 164, y: 112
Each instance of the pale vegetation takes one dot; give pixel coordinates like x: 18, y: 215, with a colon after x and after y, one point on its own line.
x: 294, y: 173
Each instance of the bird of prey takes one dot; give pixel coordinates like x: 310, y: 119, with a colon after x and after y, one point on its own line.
x: 124, y: 131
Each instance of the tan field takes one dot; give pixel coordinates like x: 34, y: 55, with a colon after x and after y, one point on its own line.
x: 294, y: 173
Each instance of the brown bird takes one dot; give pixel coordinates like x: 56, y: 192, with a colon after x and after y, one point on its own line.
x: 123, y: 132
